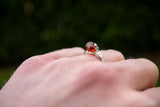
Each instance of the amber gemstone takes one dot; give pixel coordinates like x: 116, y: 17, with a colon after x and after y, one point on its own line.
x: 91, y: 47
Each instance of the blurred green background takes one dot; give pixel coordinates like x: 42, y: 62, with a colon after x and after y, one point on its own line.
x: 31, y: 27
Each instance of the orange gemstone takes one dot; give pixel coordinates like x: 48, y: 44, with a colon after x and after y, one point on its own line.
x: 91, y: 47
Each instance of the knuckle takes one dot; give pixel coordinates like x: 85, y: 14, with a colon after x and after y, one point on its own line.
x: 61, y: 62
x: 117, y: 54
x: 120, y: 68
x: 32, y: 60
x: 151, y: 66
x: 31, y: 63
x: 149, y: 62
x: 144, y: 60
x: 98, y: 72
x: 55, y: 55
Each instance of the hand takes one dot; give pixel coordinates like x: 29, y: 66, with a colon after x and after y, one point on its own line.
x: 67, y: 78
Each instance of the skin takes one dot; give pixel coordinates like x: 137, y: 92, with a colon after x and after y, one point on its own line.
x: 68, y: 78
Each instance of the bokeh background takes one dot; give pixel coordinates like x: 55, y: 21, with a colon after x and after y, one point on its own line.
x: 31, y: 27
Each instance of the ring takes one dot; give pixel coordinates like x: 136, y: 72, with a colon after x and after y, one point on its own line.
x: 92, y: 48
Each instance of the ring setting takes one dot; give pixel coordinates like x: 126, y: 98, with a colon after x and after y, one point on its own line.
x: 92, y: 48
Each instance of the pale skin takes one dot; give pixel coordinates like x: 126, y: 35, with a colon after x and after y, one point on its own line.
x: 68, y: 78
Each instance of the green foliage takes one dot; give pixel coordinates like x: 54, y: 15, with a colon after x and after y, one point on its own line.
x: 5, y: 74
x: 30, y: 27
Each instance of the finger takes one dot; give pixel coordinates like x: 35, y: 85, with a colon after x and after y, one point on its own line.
x: 108, y: 56
x: 139, y: 74
x: 41, y: 60
x: 70, y: 52
x: 154, y: 94
x: 112, y: 55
